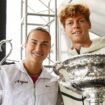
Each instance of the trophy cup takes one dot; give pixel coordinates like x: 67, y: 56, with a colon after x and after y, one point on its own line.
x: 84, y: 74
x: 4, y: 42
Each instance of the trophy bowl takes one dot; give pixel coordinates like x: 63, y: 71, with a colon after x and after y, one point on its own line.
x: 85, y: 74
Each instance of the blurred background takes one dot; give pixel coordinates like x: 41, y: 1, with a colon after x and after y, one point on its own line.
x: 18, y: 17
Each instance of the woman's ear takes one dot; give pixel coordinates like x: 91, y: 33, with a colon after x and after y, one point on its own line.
x: 23, y: 45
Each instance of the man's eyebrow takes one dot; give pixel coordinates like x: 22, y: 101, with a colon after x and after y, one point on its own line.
x: 82, y: 18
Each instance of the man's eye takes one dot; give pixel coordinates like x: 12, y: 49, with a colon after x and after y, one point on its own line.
x: 70, y: 23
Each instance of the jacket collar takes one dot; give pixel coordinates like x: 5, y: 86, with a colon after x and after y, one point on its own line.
x: 96, y: 44
x: 46, y: 73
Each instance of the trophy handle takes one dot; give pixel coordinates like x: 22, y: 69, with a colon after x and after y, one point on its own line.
x: 1, y: 43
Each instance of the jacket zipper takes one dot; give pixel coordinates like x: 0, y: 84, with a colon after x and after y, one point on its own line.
x: 34, y: 94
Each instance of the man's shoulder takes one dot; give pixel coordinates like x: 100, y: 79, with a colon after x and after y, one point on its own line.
x: 99, y: 39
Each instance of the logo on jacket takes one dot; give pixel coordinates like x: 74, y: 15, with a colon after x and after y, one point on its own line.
x: 21, y: 81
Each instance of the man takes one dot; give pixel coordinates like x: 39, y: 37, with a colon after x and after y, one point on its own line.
x: 28, y: 82
x: 75, y: 19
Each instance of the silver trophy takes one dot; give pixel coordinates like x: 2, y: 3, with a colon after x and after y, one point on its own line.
x: 84, y: 74
x: 2, y: 42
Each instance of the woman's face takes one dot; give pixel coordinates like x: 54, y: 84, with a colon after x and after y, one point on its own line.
x: 38, y: 46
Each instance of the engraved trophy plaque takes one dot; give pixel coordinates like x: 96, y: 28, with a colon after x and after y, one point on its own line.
x: 84, y: 74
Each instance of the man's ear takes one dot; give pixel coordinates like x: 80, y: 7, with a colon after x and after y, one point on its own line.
x: 89, y: 25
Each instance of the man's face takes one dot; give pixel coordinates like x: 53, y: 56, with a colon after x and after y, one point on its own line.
x: 38, y: 46
x: 77, y: 28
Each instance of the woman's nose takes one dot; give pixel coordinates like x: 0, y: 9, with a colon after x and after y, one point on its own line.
x: 38, y: 47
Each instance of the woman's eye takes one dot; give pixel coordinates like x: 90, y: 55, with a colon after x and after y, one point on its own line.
x: 44, y: 44
x: 33, y: 43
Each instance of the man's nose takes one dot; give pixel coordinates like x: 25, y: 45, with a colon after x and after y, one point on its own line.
x: 76, y: 24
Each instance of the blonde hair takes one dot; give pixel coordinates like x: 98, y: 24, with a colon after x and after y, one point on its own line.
x: 73, y: 10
